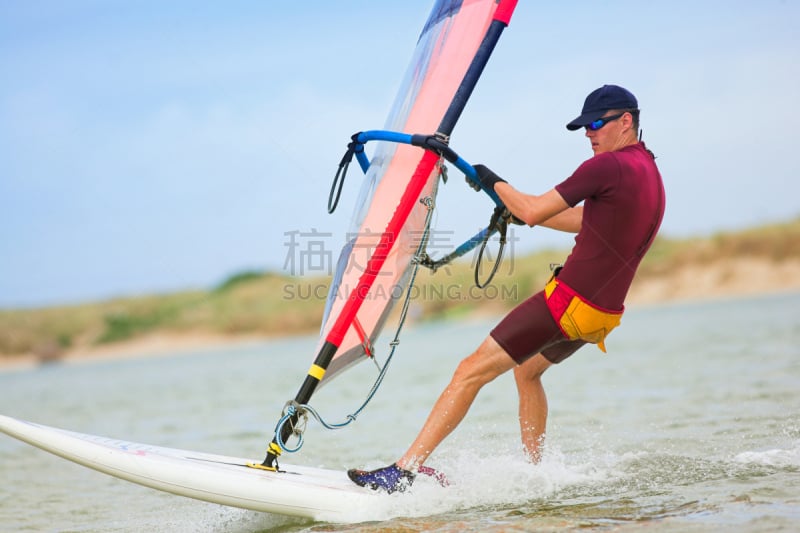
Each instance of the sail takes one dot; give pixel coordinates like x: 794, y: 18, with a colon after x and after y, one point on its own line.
x: 362, y: 294
x: 374, y: 265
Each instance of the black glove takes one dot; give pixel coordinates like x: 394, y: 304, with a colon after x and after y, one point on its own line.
x: 486, y: 177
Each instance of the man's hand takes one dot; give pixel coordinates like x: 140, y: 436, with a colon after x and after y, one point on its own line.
x: 486, y: 177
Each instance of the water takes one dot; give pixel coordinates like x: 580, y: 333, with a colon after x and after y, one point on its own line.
x: 690, y: 423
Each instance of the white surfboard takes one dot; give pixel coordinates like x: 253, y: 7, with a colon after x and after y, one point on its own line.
x: 315, y: 493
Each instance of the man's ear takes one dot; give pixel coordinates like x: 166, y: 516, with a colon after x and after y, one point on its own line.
x: 627, y: 120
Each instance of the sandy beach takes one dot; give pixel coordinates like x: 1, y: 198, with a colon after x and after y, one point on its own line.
x: 719, y: 279
x: 154, y: 345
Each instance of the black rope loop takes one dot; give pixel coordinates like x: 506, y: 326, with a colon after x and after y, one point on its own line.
x: 499, y: 222
x: 353, y: 147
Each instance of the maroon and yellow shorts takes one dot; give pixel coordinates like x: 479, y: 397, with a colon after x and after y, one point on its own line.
x: 555, y: 322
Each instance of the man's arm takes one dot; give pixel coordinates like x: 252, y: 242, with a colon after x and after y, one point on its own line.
x: 549, y: 210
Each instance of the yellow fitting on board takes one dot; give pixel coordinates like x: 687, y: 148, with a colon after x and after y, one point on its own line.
x: 259, y: 466
x: 317, y: 372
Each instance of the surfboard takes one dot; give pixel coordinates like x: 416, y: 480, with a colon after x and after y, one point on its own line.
x: 316, y: 493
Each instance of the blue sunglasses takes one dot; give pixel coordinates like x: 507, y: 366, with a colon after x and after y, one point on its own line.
x: 600, y: 122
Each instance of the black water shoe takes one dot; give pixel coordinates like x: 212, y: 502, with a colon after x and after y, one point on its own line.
x: 390, y: 478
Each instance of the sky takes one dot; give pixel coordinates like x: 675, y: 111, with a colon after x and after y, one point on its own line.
x: 162, y: 146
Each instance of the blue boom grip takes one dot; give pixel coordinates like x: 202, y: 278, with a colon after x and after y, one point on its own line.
x: 429, y: 142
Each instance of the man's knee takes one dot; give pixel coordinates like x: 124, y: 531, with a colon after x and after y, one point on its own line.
x: 484, y: 364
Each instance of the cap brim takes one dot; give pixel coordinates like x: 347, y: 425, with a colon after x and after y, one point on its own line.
x: 585, y: 119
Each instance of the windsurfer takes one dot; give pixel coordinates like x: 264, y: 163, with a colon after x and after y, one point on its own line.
x: 623, y: 204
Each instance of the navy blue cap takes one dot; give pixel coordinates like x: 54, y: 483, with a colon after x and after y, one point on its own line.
x: 601, y: 100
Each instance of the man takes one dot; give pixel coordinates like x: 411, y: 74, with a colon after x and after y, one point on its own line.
x: 623, y: 204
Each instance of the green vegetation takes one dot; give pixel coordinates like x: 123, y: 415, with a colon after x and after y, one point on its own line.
x: 260, y: 303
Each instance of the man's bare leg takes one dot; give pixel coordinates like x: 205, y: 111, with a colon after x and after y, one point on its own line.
x: 532, y: 404
x: 485, y: 364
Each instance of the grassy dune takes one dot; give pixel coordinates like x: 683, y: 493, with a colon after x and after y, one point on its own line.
x: 263, y: 303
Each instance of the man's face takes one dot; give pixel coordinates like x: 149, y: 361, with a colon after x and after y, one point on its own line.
x: 609, y: 136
